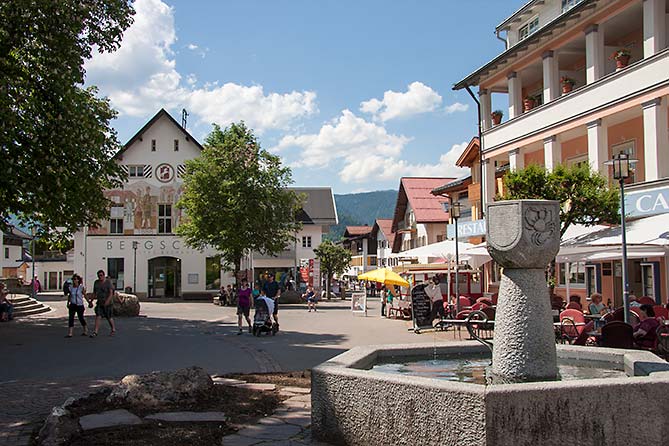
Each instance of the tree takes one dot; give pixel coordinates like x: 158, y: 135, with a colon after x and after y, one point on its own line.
x: 55, y: 136
x: 334, y: 259
x: 235, y: 198
x: 585, y: 196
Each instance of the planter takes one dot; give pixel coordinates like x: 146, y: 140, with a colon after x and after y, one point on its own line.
x: 566, y: 88
x: 529, y: 104
x: 622, y: 62
x: 496, y: 119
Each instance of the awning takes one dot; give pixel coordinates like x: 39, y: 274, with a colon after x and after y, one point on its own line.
x: 648, y: 231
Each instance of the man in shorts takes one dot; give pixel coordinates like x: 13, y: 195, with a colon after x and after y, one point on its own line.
x: 103, y: 291
x: 273, y: 291
x: 244, y: 305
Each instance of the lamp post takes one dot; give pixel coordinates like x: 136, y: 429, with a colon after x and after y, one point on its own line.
x: 455, y: 213
x: 134, y: 272
x: 621, y: 171
x: 33, y: 293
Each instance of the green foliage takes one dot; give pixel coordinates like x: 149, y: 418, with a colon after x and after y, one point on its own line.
x: 335, y: 259
x: 235, y: 198
x: 56, y: 142
x: 585, y: 196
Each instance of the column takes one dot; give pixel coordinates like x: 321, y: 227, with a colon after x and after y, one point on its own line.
x: 489, y: 189
x: 516, y: 159
x: 654, y: 26
x: 656, y: 139
x: 552, y: 152
x: 515, y: 95
x: 598, y: 146
x: 551, y: 81
x: 594, y: 53
x: 486, y: 105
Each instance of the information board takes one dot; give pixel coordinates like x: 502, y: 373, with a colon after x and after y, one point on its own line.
x: 421, y: 308
x: 359, y: 303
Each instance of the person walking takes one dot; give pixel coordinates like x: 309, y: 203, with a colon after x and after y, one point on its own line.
x: 244, y: 305
x: 75, y: 305
x: 103, y: 291
x: 434, y: 293
x: 273, y: 291
x: 383, y: 301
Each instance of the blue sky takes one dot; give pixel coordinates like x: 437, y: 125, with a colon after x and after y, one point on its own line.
x: 351, y: 95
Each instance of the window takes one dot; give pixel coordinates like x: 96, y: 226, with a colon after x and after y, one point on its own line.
x: 153, y: 145
x: 529, y: 28
x: 568, y: 4
x: 164, y: 219
x: 176, y: 145
x: 576, y: 274
x: 116, y: 226
x: 136, y: 171
x: 115, y: 272
x: 6, y: 253
x: 306, y: 241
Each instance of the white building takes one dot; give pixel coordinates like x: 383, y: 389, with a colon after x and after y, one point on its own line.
x: 137, y: 246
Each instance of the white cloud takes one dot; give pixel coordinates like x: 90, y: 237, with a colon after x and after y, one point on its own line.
x: 419, y: 98
x: 142, y: 76
x: 345, y: 138
x: 457, y: 107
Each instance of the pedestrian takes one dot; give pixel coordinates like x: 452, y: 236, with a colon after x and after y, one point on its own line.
x: 6, y: 307
x: 103, y: 291
x: 434, y: 293
x: 310, y: 296
x: 37, y: 286
x: 383, y: 301
x: 272, y: 290
x: 244, y: 305
x: 75, y: 305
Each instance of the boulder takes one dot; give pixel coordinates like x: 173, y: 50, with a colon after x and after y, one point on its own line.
x: 290, y: 297
x: 126, y: 305
x: 153, y: 389
x: 58, y: 428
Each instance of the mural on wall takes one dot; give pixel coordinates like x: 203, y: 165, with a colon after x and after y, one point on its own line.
x: 138, y: 202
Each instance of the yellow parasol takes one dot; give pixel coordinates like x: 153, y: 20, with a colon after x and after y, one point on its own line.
x: 385, y: 276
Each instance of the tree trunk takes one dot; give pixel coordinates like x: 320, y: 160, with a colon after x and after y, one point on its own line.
x: 327, y: 284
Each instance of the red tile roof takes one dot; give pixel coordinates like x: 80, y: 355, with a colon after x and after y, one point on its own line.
x: 357, y: 230
x: 416, y: 192
x: 386, y: 226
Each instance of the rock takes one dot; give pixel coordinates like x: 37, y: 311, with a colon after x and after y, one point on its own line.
x: 58, y: 428
x: 301, y: 390
x: 290, y: 297
x: 110, y: 418
x: 126, y: 305
x: 183, y: 417
x: 227, y: 381
x: 156, y: 388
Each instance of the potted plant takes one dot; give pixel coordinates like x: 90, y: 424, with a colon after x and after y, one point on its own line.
x: 529, y: 102
x: 567, y: 84
x: 497, y: 117
x: 622, y: 58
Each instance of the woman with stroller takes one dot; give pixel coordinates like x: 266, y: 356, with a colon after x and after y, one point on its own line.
x: 75, y: 305
x: 244, y: 305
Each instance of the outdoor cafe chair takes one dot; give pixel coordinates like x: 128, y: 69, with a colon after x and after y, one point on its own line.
x: 661, y: 312
x: 571, y: 324
x: 617, y: 334
x: 662, y: 345
x: 574, y: 306
x: 584, y: 336
x: 645, y: 300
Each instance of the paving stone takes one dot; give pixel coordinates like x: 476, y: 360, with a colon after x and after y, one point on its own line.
x: 305, y: 398
x: 304, y: 421
x: 257, y: 386
x: 272, y: 432
x: 238, y: 440
x: 296, y: 404
x: 300, y: 390
x: 227, y: 381
x: 177, y: 417
x: 271, y: 421
x: 119, y: 417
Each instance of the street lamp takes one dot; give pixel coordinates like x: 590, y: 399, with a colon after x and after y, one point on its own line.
x: 455, y: 213
x: 134, y: 272
x: 621, y: 171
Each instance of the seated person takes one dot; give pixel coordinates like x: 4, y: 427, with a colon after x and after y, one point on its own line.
x: 556, y: 302
x: 575, y: 299
x: 596, y: 306
x: 645, y: 332
x: 6, y: 308
x: 310, y: 296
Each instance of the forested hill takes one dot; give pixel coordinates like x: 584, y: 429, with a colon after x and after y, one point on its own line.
x: 362, y: 209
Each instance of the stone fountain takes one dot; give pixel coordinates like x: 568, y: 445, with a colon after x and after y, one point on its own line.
x: 525, y: 402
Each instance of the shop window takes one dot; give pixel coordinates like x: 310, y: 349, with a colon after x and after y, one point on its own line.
x: 306, y: 241
x: 164, y: 219
x: 529, y: 28
x: 116, y: 226
x: 116, y: 273
x: 576, y: 274
x: 213, y: 272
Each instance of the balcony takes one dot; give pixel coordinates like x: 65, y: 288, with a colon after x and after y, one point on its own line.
x: 616, y: 91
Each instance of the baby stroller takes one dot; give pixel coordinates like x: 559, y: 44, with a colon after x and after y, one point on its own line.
x: 262, y: 321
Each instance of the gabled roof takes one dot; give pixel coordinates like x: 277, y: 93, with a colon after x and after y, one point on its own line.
x: 356, y: 231
x: 456, y: 185
x: 385, y: 225
x: 416, y: 192
x: 470, y: 155
x: 148, y: 125
x: 319, y: 206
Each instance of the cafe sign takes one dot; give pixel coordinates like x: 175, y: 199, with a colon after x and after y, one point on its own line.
x: 647, y: 202
x: 467, y: 229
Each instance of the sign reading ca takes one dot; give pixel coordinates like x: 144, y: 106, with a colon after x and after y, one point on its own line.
x: 647, y: 202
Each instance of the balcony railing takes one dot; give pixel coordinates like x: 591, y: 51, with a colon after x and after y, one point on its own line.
x: 616, y: 88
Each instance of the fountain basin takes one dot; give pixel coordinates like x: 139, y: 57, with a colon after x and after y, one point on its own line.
x: 354, y: 405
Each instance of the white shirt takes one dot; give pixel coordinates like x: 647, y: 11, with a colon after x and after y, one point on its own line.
x: 77, y: 295
x: 434, y: 291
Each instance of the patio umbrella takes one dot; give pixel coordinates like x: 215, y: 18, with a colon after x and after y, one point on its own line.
x: 385, y: 276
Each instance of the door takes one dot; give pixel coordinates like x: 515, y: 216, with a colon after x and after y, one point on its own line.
x: 650, y: 280
x: 164, y: 277
x: 593, y: 281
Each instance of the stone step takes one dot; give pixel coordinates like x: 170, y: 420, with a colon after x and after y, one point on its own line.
x: 25, y: 303
x: 41, y: 310
x: 19, y: 299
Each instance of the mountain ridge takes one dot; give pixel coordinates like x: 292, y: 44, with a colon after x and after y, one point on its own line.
x: 361, y: 209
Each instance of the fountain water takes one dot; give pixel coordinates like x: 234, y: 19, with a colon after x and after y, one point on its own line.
x: 354, y: 404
